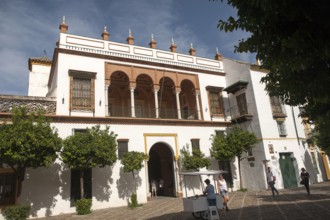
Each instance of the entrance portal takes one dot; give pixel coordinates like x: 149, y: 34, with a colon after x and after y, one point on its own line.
x: 288, y: 170
x: 160, y: 169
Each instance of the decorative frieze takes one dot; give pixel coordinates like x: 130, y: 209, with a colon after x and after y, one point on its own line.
x: 33, y: 104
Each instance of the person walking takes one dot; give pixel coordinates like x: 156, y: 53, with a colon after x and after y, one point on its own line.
x: 223, y: 189
x: 304, y: 176
x: 209, y: 192
x: 271, y: 181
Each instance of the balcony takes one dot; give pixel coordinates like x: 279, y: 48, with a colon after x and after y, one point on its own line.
x: 164, y: 113
x: 240, y: 114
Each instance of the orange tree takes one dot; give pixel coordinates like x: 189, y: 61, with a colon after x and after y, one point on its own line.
x: 227, y: 147
x: 28, y: 142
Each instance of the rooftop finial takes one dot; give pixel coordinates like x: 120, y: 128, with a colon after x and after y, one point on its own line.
x: 216, y: 49
x: 105, y: 29
x: 152, y: 36
x: 63, y: 20
x: 173, y: 41
x: 129, y: 32
x: 191, y: 45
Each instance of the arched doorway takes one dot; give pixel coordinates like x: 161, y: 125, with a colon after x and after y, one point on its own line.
x: 160, y: 167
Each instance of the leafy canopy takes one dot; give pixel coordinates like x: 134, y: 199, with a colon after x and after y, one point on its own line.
x: 291, y: 39
x: 193, y: 161
x: 232, y: 145
x: 94, y: 147
x: 132, y: 161
x: 28, y: 142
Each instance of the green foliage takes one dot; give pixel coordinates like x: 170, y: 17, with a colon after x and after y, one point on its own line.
x: 89, y: 149
x: 193, y: 161
x: 29, y: 142
x: 232, y: 145
x: 83, y: 206
x: 18, y: 212
x: 240, y: 141
x: 134, y: 203
x: 220, y: 149
x: 132, y: 161
x: 84, y: 150
x: 242, y: 190
x: 294, y: 46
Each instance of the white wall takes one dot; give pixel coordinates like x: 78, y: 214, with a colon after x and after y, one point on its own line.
x: 38, y: 80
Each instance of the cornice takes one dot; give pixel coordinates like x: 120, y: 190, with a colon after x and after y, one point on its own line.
x: 135, y: 61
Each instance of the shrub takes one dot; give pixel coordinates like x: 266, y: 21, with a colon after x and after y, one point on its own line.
x: 134, y: 202
x: 18, y: 212
x: 83, y: 206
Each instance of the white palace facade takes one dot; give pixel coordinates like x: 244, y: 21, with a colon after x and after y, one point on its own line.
x: 156, y: 101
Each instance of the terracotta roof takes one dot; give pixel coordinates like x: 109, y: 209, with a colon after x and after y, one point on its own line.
x: 39, y: 60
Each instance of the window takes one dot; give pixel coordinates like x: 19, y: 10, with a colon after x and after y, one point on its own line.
x: 7, y: 187
x: 122, y: 147
x: 242, y: 105
x: 75, y: 184
x: 215, y: 100
x: 249, y: 152
x: 276, y: 105
x: 219, y: 132
x: 195, y: 144
x: 281, y: 128
x: 82, y: 90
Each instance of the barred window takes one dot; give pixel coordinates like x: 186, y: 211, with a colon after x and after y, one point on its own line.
x: 82, y: 90
x: 281, y: 128
x: 81, y: 93
x: 195, y: 143
x: 215, y: 100
x: 122, y: 147
x: 276, y: 104
x: 242, y: 105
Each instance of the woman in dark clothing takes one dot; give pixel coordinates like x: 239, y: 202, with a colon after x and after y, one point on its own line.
x: 304, y: 175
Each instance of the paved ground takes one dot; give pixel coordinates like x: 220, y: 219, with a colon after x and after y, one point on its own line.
x: 256, y: 205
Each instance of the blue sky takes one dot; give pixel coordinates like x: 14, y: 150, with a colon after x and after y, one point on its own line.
x: 30, y: 27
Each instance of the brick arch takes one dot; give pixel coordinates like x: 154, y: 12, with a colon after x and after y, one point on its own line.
x: 137, y: 72
x: 192, y: 78
x: 110, y: 69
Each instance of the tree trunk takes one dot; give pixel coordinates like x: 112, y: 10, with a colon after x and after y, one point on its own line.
x: 134, y: 182
x: 82, y: 184
x: 20, y: 174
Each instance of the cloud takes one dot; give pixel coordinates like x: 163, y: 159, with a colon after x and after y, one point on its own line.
x: 29, y: 27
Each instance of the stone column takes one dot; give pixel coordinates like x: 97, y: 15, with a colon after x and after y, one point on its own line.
x: 132, y: 103
x: 197, y: 105
x: 177, y: 92
x: 156, y: 102
x: 106, y: 99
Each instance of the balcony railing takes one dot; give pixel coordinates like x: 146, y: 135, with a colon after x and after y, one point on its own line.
x: 240, y: 113
x: 189, y: 115
x: 164, y: 113
x: 33, y: 104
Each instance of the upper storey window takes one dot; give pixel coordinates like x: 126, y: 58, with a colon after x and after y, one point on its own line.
x: 82, y: 86
x: 277, y: 107
x: 215, y: 100
x: 242, y: 105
